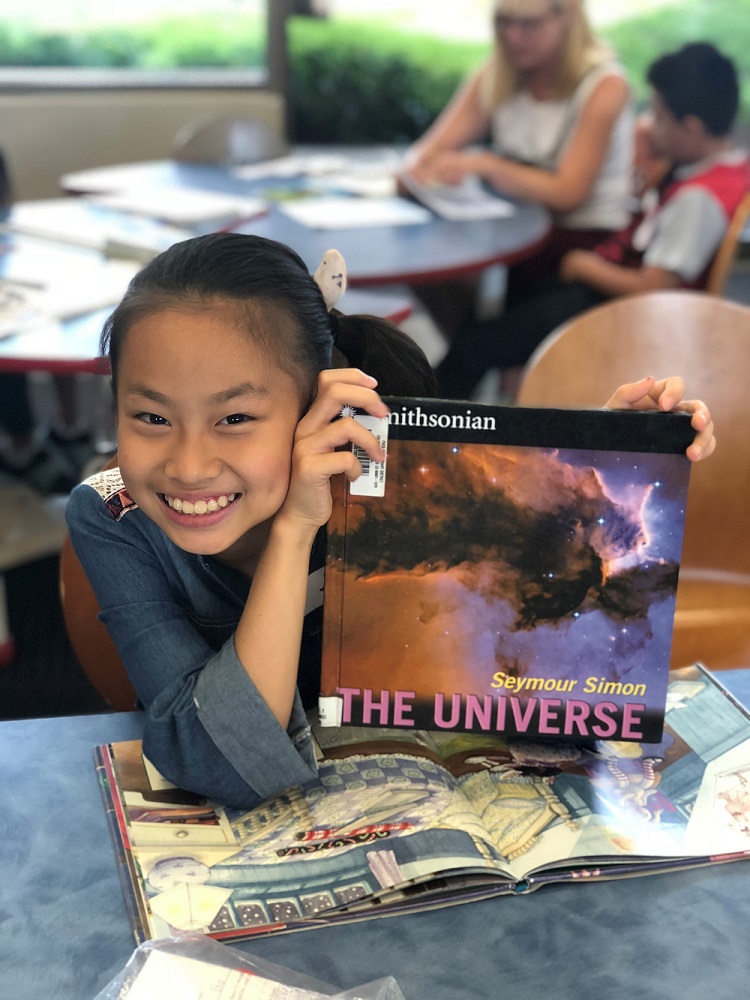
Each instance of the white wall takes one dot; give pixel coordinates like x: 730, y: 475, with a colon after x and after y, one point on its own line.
x: 46, y: 134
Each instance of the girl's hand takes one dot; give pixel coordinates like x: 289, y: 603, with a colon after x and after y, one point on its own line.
x: 318, y: 437
x: 666, y: 394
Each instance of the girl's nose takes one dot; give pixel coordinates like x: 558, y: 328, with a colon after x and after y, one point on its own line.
x: 192, y: 461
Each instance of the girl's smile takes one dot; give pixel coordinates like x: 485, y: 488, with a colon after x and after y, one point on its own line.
x: 201, y: 511
x: 201, y: 506
x: 206, y: 425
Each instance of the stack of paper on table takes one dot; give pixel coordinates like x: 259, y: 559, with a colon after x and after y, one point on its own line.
x: 81, y: 222
x: 184, y: 206
x: 25, y: 306
x: 334, y: 212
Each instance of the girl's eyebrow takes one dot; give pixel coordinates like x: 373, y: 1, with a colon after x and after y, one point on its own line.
x: 223, y: 396
x: 243, y: 389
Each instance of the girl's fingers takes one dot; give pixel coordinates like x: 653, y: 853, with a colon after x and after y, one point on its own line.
x: 666, y: 394
x: 626, y: 396
x: 337, y: 435
x: 335, y: 394
x: 648, y: 394
x: 704, y: 442
x: 701, y: 416
x: 319, y: 467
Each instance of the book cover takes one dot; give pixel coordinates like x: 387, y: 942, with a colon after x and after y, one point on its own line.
x: 402, y: 821
x: 516, y: 575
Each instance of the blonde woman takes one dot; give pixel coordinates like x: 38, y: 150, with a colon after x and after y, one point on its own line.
x: 557, y: 108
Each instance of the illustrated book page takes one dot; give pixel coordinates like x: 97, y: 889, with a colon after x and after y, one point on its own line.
x: 412, y: 820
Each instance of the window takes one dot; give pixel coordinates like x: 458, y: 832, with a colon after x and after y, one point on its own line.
x: 170, y: 43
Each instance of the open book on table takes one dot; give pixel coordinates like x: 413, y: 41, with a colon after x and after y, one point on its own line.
x: 465, y: 202
x: 406, y: 820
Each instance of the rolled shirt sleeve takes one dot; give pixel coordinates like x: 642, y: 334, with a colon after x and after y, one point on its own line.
x: 240, y: 724
x: 687, y: 234
x: 208, y: 729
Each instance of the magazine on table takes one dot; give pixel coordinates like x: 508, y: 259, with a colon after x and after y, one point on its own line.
x: 471, y: 200
x: 402, y: 820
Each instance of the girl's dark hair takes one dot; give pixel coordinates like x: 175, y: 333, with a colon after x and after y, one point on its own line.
x: 278, y: 303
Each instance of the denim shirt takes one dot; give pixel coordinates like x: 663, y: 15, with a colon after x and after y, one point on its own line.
x: 172, y: 616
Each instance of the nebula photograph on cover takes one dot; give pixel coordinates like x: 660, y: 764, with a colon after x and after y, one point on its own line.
x: 529, y: 561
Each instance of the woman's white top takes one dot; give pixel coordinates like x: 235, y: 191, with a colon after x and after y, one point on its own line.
x: 538, y: 132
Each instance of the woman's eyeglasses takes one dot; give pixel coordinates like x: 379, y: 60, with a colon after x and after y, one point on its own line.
x: 525, y: 25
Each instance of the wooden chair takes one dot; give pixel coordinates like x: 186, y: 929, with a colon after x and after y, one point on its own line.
x: 721, y: 268
x: 727, y: 252
x: 91, y: 642
x: 228, y: 140
x: 707, y: 341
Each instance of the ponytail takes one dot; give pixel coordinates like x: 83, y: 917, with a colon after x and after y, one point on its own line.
x: 382, y: 350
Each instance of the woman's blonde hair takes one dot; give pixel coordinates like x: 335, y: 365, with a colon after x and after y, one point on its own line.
x: 583, y: 51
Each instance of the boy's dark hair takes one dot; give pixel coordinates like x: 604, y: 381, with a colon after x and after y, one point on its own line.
x: 698, y: 80
x: 275, y: 298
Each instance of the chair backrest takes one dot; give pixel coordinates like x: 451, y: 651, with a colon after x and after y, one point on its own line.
x: 727, y: 252
x: 91, y: 642
x: 706, y: 341
x: 227, y: 140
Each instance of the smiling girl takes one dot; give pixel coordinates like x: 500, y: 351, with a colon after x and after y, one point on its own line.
x: 206, y: 547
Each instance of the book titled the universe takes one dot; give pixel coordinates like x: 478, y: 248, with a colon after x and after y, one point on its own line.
x: 513, y: 571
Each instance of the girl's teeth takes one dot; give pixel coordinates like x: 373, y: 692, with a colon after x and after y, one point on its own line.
x: 200, y: 506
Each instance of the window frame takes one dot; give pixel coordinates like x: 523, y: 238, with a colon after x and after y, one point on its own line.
x: 24, y: 79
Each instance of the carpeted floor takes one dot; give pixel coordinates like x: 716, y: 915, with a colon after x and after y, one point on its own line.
x: 44, y: 678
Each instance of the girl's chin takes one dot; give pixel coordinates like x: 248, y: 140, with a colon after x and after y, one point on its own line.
x: 227, y: 546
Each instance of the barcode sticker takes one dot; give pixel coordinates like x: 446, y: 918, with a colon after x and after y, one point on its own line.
x: 372, y: 481
x: 330, y: 710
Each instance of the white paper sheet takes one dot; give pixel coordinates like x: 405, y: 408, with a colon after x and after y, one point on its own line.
x: 333, y: 212
x: 183, y: 206
x: 172, y: 977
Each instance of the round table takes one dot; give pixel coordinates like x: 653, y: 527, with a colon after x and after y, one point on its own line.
x: 421, y: 253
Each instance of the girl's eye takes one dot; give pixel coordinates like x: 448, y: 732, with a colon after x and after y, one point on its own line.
x: 152, y: 418
x: 236, y: 418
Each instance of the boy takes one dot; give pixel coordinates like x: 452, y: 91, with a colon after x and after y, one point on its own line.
x: 671, y: 240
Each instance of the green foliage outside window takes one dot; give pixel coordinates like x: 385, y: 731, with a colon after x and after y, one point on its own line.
x: 362, y: 80
x: 199, y: 41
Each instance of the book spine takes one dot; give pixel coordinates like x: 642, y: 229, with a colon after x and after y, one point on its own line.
x: 333, y: 605
x: 120, y: 842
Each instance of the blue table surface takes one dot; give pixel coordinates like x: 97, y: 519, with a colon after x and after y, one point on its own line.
x: 64, y: 930
x: 374, y: 255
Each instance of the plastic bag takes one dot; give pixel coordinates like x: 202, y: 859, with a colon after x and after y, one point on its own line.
x: 194, y: 967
